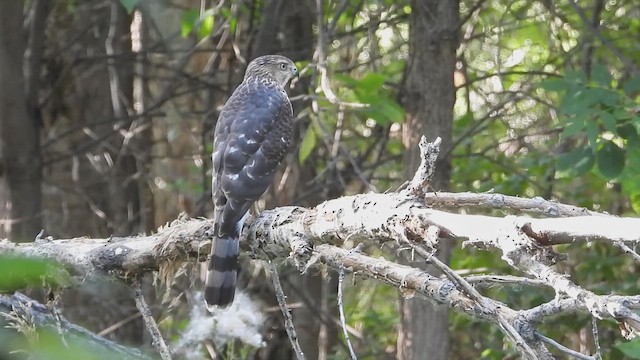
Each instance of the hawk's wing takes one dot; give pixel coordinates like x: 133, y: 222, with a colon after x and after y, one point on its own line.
x: 252, y: 137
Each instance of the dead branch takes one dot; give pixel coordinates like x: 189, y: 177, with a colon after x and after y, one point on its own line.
x: 150, y: 323
x: 288, y: 320
x: 317, y: 234
x: 38, y: 315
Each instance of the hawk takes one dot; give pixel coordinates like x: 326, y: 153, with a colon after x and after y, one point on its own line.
x: 251, y: 139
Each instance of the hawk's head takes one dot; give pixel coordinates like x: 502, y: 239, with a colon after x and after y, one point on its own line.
x: 277, y: 67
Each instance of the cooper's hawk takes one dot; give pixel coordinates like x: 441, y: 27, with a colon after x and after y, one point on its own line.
x: 252, y: 136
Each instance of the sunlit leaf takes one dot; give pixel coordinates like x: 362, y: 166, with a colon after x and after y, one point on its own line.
x: 18, y: 273
x: 372, y: 81
x: 205, y: 27
x: 189, y: 22
x: 346, y: 79
x: 307, y: 145
x: 635, y: 202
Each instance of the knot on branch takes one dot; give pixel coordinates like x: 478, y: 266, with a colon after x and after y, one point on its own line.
x: 429, y: 152
x: 524, y: 327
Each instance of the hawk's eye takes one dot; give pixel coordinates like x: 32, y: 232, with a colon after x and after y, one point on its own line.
x: 283, y: 66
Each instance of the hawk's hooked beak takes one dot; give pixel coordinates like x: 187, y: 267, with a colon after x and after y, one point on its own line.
x: 295, y: 72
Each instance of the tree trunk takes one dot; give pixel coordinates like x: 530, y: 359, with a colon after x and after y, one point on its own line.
x: 428, y: 97
x: 19, y: 131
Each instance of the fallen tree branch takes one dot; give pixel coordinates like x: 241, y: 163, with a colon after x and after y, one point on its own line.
x: 415, y: 281
x: 292, y: 231
x: 38, y: 315
x: 495, y: 201
x: 316, y: 234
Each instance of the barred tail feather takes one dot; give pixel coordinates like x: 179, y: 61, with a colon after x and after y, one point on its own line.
x: 220, y: 286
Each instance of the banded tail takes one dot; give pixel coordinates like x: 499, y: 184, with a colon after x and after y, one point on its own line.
x: 220, y: 286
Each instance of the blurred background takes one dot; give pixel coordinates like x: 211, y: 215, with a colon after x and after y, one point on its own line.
x: 107, y: 109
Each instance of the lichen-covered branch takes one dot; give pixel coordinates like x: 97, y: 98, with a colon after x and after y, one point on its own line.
x: 20, y: 308
x: 309, y: 235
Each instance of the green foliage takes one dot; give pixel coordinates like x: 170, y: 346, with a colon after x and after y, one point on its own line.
x: 371, y: 310
x: 600, y: 119
x: 46, y: 343
x: 610, y: 159
x: 129, y: 5
x: 369, y: 90
x: 307, y: 145
x: 192, y: 22
x: 529, y: 121
x: 630, y: 349
x: 19, y: 273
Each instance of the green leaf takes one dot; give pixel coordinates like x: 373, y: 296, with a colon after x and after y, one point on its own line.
x: 576, y: 77
x: 635, y: 203
x: 129, y: 5
x: 573, y: 126
x: 383, y: 109
x: 372, y: 82
x: 630, y: 349
x: 577, y: 161
x: 189, y: 21
x: 464, y: 121
x: 603, y: 96
x: 393, y: 110
x: 376, y: 113
x: 19, y: 272
x: 554, y: 84
x: 628, y: 132
x: 592, y: 130
x: 576, y: 102
x: 307, y: 145
x: 610, y: 159
x: 346, y: 79
x: 632, y: 86
x: 601, y: 75
x: 205, y: 27
x: 608, y: 120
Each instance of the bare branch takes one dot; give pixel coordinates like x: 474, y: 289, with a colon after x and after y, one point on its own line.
x: 429, y: 154
x: 505, y: 202
x: 563, y: 348
x: 315, y: 234
x: 157, y: 340
x: 42, y: 317
x: 596, y: 340
x: 343, y: 320
x: 288, y: 321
